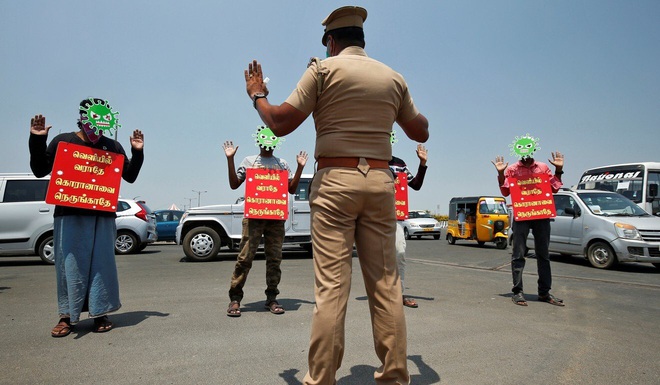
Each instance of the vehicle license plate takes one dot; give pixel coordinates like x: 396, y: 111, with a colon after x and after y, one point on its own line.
x: 429, y: 229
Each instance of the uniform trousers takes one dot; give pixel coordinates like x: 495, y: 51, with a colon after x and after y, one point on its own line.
x: 349, y: 207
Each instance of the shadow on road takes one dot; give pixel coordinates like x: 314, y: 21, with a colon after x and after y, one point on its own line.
x: 364, y: 374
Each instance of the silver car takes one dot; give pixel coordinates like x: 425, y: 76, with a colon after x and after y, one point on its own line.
x: 605, y: 227
x: 421, y: 223
x: 26, y: 220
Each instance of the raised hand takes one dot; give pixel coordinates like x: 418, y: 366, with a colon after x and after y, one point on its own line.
x: 499, y: 163
x: 229, y: 148
x: 302, y: 158
x: 38, y: 125
x: 254, y: 79
x: 557, y: 160
x: 137, y: 140
x: 422, y: 154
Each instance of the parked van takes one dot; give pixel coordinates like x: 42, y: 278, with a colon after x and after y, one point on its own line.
x: 605, y: 227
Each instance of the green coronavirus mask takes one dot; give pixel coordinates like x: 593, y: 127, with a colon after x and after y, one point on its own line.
x: 393, y: 138
x: 524, y: 146
x: 99, y: 116
x: 266, y: 139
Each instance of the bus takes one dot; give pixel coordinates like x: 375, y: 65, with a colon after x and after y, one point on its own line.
x: 636, y: 181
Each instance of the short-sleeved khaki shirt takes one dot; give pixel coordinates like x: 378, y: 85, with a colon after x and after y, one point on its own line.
x: 361, y: 100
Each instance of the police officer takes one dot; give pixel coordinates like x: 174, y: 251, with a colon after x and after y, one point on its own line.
x: 355, y: 101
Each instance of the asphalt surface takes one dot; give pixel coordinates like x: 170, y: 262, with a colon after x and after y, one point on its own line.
x: 173, y: 328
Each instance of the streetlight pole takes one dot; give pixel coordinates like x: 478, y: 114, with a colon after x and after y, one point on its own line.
x: 189, y: 203
x: 199, y: 193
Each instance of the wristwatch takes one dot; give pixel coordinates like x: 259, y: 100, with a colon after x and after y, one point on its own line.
x: 256, y: 96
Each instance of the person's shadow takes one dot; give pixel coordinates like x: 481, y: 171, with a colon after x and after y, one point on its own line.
x: 364, y: 374
x: 119, y: 320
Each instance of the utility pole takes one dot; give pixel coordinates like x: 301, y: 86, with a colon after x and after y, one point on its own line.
x: 199, y: 193
x: 189, y: 203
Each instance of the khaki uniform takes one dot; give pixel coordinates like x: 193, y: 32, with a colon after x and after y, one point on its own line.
x: 360, y: 101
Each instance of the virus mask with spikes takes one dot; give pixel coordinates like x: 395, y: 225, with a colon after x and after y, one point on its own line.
x: 98, y: 116
x: 524, y: 146
x: 393, y: 138
x: 266, y: 139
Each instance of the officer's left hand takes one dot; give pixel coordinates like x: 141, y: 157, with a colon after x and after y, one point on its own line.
x: 137, y: 140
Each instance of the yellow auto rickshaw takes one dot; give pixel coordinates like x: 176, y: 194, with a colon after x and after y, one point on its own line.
x: 481, y: 218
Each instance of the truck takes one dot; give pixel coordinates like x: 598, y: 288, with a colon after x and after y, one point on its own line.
x: 202, y: 231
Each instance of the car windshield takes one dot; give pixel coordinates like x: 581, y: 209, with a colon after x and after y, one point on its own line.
x: 419, y: 214
x: 492, y: 207
x: 611, y: 204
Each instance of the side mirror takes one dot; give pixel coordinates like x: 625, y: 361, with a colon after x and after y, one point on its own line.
x: 571, y: 211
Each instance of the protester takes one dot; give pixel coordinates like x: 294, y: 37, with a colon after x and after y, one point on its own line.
x: 84, y: 240
x: 415, y: 182
x: 528, y: 167
x: 254, y: 228
x: 355, y: 101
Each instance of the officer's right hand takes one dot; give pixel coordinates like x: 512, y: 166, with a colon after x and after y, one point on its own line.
x: 499, y: 163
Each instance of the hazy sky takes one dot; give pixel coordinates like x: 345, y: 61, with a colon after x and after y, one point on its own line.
x: 583, y: 76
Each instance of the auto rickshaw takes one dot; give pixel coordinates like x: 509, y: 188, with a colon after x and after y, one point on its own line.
x: 480, y: 218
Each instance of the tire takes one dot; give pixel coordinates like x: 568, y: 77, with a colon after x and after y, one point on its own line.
x: 437, y: 236
x: 481, y: 243
x: 450, y: 239
x: 201, y: 244
x: 126, y: 243
x: 419, y: 237
x: 657, y: 265
x: 601, y: 255
x: 46, y: 250
x: 143, y: 246
x: 501, y: 243
x: 406, y: 234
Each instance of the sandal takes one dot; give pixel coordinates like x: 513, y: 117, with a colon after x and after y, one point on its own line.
x: 62, y: 329
x: 409, y: 302
x: 102, y: 324
x: 274, y: 307
x: 234, y: 309
x: 519, y: 299
x: 551, y: 299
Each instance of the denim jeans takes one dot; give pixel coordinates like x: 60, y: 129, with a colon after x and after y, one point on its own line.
x: 541, y: 231
x: 85, y: 266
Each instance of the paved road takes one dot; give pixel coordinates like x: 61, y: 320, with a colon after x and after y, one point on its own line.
x: 172, y: 328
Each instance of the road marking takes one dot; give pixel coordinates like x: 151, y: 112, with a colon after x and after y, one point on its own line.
x: 507, y: 265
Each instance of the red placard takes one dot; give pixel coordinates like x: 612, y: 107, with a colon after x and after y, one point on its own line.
x: 85, y: 177
x: 531, y: 197
x: 266, y: 194
x: 401, y: 196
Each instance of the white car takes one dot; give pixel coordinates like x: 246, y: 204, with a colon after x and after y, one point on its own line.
x: 421, y: 223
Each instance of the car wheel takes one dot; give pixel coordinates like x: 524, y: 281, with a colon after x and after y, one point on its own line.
x: 450, y: 239
x: 201, y: 244
x: 657, y: 265
x: 308, y: 248
x: 437, y: 236
x: 46, y: 250
x: 419, y: 237
x: 481, y: 243
x: 601, y: 255
x: 126, y: 243
x: 406, y: 234
x: 143, y: 246
x: 500, y: 243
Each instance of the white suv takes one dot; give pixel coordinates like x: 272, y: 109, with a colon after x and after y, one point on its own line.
x: 26, y: 220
